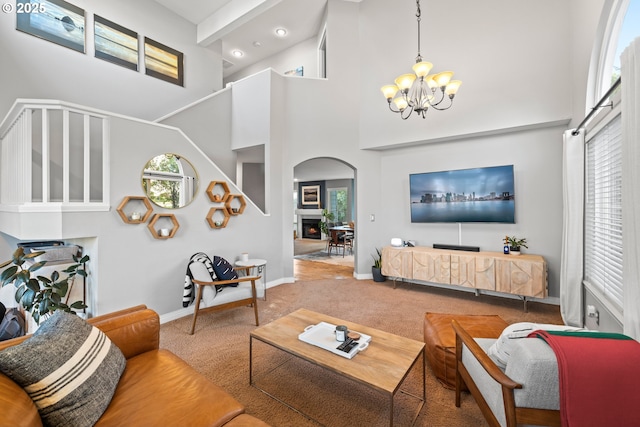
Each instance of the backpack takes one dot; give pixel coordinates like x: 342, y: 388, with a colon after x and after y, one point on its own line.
x: 12, y: 325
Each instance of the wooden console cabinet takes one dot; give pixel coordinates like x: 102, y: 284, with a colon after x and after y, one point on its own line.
x: 524, y: 275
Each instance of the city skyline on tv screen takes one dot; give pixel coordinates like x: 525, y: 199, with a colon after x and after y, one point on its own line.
x: 467, y: 195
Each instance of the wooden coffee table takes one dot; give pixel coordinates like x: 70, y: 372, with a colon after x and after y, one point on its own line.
x: 382, y: 366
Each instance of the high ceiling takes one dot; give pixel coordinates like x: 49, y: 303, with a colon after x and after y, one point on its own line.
x: 249, y: 25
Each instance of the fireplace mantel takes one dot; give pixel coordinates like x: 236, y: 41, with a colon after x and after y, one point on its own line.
x: 314, y: 213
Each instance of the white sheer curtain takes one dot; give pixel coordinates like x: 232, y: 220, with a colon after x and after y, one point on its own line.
x: 630, y: 71
x: 572, y: 228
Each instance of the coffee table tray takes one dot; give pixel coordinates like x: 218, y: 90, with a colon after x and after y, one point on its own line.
x: 323, y: 335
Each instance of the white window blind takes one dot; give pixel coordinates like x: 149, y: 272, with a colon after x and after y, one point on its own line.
x: 603, y: 213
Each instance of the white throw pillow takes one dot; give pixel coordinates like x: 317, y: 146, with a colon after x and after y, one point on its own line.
x: 501, y: 350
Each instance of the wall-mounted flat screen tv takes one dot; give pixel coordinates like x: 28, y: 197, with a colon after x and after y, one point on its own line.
x: 466, y: 195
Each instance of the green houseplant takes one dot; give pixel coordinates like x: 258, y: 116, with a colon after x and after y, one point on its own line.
x: 515, y: 244
x: 327, y: 217
x: 40, y: 295
x: 376, y: 268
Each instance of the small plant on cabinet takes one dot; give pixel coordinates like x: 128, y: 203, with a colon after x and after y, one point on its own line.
x: 515, y: 243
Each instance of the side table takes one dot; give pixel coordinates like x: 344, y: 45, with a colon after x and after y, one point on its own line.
x: 261, y: 266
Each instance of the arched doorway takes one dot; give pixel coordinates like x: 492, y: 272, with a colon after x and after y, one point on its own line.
x: 323, y: 185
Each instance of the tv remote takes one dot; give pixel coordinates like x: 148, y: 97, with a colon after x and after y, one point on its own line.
x: 347, y: 345
x: 350, y: 346
x: 344, y: 345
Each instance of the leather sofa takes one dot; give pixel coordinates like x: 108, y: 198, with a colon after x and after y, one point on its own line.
x: 157, y: 388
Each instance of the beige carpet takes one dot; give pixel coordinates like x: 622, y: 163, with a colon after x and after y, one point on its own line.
x: 220, y: 350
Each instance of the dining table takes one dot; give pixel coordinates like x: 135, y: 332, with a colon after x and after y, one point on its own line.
x: 335, y: 240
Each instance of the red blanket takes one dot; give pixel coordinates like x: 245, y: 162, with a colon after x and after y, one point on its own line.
x: 599, y: 378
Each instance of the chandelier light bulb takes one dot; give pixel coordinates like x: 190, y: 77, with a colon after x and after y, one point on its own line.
x: 430, y: 82
x: 422, y: 68
x: 401, y: 103
x: 389, y: 91
x: 405, y: 81
x: 452, y: 87
x: 443, y: 78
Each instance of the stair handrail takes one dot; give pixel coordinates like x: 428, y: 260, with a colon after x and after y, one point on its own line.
x: 24, y: 189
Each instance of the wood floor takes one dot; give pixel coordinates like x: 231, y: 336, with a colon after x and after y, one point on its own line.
x: 314, y: 270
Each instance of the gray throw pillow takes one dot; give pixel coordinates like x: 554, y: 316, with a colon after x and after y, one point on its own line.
x: 502, y: 348
x: 69, y: 368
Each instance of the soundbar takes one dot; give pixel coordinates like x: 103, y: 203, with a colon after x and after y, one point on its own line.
x: 456, y: 247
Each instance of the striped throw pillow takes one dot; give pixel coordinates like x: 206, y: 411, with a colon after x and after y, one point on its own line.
x: 69, y: 368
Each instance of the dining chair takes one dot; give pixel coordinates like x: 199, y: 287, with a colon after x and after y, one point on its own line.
x: 336, y: 240
x: 350, y: 236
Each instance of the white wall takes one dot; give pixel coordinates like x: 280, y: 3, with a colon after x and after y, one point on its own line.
x: 208, y: 124
x: 512, y: 57
x: 152, y: 271
x: 537, y: 159
x: 35, y: 68
x: 585, y: 48
x: 517, y: 99
x: 251, y: 111
x: 345, y: 117
x: 322, y: 121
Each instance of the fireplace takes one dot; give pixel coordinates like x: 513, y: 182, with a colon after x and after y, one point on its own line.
x: 310, y: 229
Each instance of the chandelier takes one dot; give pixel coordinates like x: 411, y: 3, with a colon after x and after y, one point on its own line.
x: 420, y: 90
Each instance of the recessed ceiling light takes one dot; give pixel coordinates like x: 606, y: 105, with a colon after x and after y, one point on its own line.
x: 237, y: 53
x: 281, y: 32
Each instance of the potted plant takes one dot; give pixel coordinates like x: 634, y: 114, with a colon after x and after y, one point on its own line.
x: 40, y: 295
x: 376, y: 268
x: 515, y: 244
x: 327, y: 217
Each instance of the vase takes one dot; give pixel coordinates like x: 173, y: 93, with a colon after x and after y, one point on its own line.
x: 377, y: 274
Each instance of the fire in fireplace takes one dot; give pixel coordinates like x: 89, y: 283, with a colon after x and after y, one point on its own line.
x: 310, y: 229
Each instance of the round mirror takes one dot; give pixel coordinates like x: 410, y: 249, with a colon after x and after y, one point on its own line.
x: 170, y: 181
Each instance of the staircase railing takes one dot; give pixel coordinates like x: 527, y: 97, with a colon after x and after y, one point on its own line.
x: 54, y: 156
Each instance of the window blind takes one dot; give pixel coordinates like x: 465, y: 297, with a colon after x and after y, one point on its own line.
x: 603, y: 212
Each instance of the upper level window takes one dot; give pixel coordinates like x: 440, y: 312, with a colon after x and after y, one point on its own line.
x: 630, y: 30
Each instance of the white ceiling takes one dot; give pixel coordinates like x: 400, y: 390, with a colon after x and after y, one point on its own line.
x: 239, y: 24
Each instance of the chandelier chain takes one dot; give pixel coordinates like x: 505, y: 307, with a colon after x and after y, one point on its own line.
x: 418, y: 14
